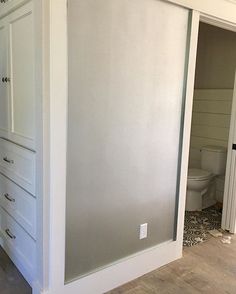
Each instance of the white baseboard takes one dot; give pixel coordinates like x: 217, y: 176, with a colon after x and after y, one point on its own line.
x: 124, y: 271
x: 36, y: 288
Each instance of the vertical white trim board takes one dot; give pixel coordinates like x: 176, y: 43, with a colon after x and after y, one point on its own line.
x: 41, y: 21
x: 229, y: 200
x: 187, y: 122
x: 58, y: 140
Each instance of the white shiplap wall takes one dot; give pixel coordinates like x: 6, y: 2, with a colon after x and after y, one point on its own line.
x: 210, y: 121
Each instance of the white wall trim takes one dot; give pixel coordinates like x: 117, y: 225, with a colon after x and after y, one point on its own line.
x: 121, y: 272
x: 187, y: 122
x: 217, y: 22
x: 42, y: 151
x: 126, y: 270
x: 229, y: 211
x: 58, y: 129
x: 221, y: 9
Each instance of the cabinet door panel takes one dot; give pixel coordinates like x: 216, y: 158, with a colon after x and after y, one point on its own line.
x: 4, y: 5
x: 3, y: 85
x: 22, y: 76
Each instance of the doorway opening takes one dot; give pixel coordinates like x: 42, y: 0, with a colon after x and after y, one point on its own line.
x: 210, y: 129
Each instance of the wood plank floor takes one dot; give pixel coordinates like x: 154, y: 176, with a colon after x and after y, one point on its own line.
x: 11, y: 280
x: 208, y: 268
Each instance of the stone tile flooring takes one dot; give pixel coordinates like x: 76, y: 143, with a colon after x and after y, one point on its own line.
x: 197, y: 224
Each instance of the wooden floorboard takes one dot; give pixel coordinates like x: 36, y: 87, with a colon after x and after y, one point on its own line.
x: 208, y: 268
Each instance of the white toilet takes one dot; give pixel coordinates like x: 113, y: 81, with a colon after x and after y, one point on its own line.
x: 201, y: 183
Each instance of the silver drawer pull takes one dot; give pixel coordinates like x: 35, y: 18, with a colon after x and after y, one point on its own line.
x: 8, y: 232
x: 8, y: 197
x: 8, y: 160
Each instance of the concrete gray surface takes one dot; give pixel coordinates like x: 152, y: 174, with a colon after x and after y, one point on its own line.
x: 11, y: 280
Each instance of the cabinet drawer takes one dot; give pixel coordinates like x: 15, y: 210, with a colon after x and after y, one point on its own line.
x: 20, y: 247
x: 19, y: 204
x: 18, y: 164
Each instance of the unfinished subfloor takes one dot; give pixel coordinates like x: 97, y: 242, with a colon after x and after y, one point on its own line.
x: 209, y: 267
x: 11, y: 280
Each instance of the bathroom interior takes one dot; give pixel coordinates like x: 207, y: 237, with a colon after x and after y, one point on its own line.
x: 212, y: 104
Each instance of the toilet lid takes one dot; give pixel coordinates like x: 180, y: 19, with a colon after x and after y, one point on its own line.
x: 198, y: 174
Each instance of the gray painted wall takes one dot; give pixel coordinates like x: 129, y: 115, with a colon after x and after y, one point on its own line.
x: 126, y: 78
x: 216, y: 58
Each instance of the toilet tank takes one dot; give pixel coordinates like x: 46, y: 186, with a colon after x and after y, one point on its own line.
x: 213, y: 159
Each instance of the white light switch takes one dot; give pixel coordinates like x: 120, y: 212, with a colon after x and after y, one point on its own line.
x: 143, y: 231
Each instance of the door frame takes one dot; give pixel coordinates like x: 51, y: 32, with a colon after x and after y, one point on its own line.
x: 229, y: 201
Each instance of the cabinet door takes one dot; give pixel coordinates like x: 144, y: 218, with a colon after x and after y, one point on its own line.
x: 8, y: 5
x: 4, y: 4
x: 3, y: 84
x: 21, y: 57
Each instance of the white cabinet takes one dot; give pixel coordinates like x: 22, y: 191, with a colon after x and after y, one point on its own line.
x: 18, y: 164
x: 4, y: 110
x: 6, y: 6
x: 4, y: 2
x: 18, y: 206
x: 17, y: 135
x: 17, y: 78
x: 18, y: 244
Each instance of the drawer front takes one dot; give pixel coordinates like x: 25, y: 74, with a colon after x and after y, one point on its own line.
x: 20, y: 247
x: 19, y: 204
x: 18, y: 164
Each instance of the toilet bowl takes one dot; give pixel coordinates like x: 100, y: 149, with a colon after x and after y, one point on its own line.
x: 197, y: 186
x: 201, y: 192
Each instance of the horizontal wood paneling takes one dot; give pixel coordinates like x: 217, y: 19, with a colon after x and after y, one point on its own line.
x: 210, y: 121
x: 195, y: 157
x: 213, y: 94
x: 211, y: 106
x: 207, y: 132
x: 199, y: 142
